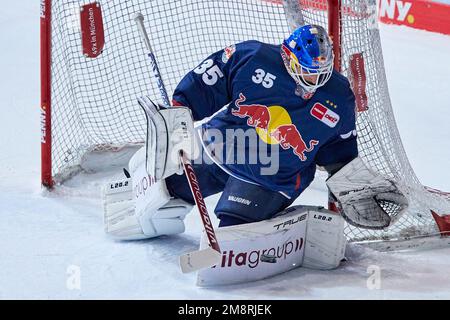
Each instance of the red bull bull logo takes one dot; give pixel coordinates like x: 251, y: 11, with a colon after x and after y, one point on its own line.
x: 290, y: 137
x: 274, y: 126
x: 258, y: 115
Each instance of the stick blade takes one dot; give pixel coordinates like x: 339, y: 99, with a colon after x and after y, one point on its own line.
x: 197, y: 260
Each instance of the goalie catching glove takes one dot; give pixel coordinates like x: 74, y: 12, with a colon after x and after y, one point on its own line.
x: 367, y: 199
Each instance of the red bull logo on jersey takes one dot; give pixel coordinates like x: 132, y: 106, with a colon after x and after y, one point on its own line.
x: 258, y: 115
x: 290, y: 137
x: 273, y: 125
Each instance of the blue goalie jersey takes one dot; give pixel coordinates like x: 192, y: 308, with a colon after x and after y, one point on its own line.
x: 262, y: 127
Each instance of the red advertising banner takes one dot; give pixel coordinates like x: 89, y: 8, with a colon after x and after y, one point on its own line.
x: 358, y: 80
x: 419, y: 14
x: 93, y: 34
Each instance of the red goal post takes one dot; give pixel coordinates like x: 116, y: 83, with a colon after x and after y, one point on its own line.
x: 46, y: 85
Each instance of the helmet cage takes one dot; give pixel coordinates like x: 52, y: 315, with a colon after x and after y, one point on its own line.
x: 302, y: 74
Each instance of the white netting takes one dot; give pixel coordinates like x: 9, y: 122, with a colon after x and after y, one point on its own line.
x: 378, y: 138
x: 94, y: 100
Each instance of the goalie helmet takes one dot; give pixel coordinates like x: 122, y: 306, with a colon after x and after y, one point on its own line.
x: 308, y: 56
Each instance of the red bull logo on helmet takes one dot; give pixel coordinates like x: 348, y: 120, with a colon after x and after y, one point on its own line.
x: 319, y: 61
x: 274, y: 126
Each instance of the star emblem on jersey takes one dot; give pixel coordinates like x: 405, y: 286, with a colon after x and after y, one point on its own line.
x: 325, y: 115
x: 332, y: 104
x: 274, y: 126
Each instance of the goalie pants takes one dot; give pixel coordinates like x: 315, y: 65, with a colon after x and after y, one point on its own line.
x: 240, y: 202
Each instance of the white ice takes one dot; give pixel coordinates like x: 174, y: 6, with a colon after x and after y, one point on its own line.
x: 46, y: 239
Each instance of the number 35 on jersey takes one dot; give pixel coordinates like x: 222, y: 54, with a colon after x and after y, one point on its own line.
x: 210, y: 72
x: 264, y: 78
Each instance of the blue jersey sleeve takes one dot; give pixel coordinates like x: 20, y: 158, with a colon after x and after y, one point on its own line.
x: 208, y: 88
x: 343, y: 147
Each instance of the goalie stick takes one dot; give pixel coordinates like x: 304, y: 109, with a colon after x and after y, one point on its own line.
x: 196, y: 260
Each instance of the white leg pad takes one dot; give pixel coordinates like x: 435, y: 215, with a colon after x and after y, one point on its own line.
x: 139, y: 207
x: 255, y: 251
x: 325, y: 240
x: 307, y: 236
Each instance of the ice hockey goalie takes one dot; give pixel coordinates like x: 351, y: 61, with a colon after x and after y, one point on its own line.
x: 270, y: 115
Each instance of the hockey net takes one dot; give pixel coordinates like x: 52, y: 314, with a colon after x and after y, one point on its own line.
x: 89, y: 103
